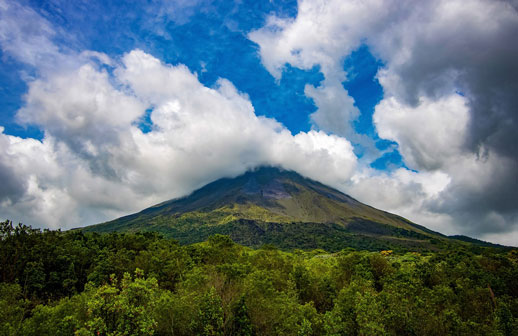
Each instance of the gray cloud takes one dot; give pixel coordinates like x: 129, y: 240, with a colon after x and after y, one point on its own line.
x: 13, y: 187
x: 476, y: 54
x: 450, y: 83
x: 468, y: 47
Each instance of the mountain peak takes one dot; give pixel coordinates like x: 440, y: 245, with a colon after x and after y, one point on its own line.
x: 273, y: 205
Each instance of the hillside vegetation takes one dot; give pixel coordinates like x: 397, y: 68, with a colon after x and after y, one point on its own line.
x: 275, y: 206
x: 77, y: 283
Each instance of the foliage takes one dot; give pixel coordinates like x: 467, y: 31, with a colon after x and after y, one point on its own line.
x: 75, y: 283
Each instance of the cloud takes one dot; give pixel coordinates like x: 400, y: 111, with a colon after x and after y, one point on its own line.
x: 481, y: 194
x: 94, y: 162
x: 30, y: 39
x: 429, y: 135
x: 449, y: 81
x: 429, y: 50
x: 405, y: 193
x: 311, y: 40
x: 464, y: 46
x: 180, y: 11
x: 82, y: 109
x: 25, y: 35
x: 13, y: 186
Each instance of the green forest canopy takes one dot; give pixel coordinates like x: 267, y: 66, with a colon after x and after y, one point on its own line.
x: 75, y: 283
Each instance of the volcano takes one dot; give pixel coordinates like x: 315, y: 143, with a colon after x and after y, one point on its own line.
x: 279, y: 207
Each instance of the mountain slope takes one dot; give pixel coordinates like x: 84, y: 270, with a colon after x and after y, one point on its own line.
x: 270, y: 205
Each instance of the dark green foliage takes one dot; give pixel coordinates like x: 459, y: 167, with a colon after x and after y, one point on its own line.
x: 241, y: 324
x: 12, y: 308
x: 73, y: 283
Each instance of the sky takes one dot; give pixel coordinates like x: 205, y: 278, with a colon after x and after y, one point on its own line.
x: 108, y: 107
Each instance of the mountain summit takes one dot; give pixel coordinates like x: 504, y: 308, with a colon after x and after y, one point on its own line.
x: 274, y: 206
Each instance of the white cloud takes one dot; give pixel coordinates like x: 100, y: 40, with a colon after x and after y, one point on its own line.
x: 95, y: 163
x: 430, y: 134
x: 318, y: 36
x: 25, y: 35
x: 405, y: 193
x: 80, y: 107
x: 327, y: 158
x: 335, y: 108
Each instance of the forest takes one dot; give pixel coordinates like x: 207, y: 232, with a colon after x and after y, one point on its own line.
x: 78, y: 283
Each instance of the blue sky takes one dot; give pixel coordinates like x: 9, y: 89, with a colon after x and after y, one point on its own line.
x: 391, y: 102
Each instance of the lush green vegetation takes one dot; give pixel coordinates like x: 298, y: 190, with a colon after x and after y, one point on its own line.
x: 290, y: 235
x: 77, y: 283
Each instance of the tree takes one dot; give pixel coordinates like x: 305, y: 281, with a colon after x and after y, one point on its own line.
x: 127, y: 310
x: 209, y: 319
x: 12, y: 309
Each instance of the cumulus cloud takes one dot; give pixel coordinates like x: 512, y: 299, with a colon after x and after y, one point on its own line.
x: 449, y: 81
x: 429, y: 135
x: 95, y: 162
x: 322, y: 34
x: 308, y: 41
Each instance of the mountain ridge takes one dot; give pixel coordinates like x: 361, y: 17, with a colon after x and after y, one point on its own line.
x: 270, y: 205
